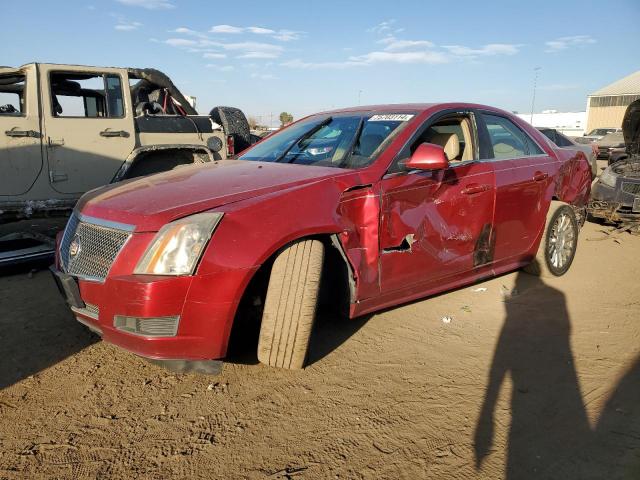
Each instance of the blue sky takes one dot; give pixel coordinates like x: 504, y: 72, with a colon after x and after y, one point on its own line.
x: 266, y: 57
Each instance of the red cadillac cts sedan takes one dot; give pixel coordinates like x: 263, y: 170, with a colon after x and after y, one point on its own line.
x: 393, y: 202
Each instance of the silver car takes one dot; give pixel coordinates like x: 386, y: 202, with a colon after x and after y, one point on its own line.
x: 562, y: 141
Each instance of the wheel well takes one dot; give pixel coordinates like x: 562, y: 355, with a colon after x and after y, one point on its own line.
x: 162, y: 159
x: 335, y: 294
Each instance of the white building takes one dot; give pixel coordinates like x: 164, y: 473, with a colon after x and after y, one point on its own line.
x: 572, y: 124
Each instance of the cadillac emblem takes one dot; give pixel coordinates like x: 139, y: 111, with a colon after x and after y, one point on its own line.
x: 74, y: 247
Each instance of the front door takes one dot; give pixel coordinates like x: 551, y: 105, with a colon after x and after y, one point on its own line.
x: 438, y: 225
x: 89, y: 126
x: 20, y: 136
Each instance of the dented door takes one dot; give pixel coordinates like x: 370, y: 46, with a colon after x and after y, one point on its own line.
x: 436, y: 225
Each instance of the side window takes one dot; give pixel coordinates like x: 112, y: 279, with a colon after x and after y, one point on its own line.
x: 453, y: 133
x: 508, y: 140
x: 12, y: 94
x: 563, y: 141
x: 86, y: 95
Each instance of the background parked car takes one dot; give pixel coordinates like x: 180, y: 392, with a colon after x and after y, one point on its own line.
x: 596, y: 134
x: 563, y: 141
x: 609, y: 143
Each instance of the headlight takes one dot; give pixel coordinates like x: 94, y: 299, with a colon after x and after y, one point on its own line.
x: 177, y: 247
x: 608, y: 178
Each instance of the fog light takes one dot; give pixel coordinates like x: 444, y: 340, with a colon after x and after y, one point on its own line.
x: 148, y: 326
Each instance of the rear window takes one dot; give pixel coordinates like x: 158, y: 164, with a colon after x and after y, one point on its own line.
x: 508, y: 140
x: 342, y: 141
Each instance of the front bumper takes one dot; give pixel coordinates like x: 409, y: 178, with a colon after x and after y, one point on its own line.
x: 205, y: 305
x: 614, y: 204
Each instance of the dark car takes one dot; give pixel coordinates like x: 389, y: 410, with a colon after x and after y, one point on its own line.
x: 385, y: 203
x: 562, y: 141
x: 608, y: 144
x: 616, y: 194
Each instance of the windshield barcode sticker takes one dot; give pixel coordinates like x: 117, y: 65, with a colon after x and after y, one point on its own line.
x: 392, y: 117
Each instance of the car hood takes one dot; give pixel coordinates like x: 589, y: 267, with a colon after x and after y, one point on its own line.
x: 150, y: 202
x: 615, y: 139
x: 631, y: 128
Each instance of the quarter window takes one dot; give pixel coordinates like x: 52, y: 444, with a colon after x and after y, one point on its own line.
x: 507, y: 140
x: 86, y: 95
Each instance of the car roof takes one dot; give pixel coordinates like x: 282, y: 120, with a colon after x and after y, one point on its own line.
x: 412, y: 107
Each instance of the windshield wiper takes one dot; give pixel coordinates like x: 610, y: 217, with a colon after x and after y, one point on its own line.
x: 302, y: 137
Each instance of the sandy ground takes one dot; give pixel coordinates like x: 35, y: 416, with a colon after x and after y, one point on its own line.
x: 540, y: 382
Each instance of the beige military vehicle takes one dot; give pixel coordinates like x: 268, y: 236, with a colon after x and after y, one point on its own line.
x: 66, y: 129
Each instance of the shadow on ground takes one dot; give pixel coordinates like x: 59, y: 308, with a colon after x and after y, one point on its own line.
x: 37, y: 330
x: 549, y: 435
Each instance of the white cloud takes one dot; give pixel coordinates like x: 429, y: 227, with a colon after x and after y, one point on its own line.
x: 214, y: 55
x: 263, y: 76
x: 225, y: 29
x: 148, y: 4
x: 260, y: 30
x: 227, y: 68
x: 282, y: 35
x: 425, y: 56
x: 563, y: 43
x: 491, y: 49
x: 382, y: 27
x: 181, y: 42
x: 394, y: 44
x: 258, y: 55
x: 125, y: 26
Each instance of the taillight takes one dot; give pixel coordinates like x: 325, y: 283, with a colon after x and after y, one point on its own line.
x: 231, y: 146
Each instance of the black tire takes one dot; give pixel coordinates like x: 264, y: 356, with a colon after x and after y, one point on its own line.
x: 291, y: 304
x: 234, y: 123
x: 561, y: 226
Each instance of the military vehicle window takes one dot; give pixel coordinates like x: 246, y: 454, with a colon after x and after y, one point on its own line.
x: 12, y: 94
x: 86, y: 95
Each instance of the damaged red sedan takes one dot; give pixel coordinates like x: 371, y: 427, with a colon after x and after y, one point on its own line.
x: 393, y: 203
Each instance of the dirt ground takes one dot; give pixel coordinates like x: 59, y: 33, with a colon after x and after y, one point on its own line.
x: 528, y: 379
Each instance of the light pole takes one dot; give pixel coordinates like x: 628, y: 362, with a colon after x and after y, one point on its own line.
x: 533, y: 99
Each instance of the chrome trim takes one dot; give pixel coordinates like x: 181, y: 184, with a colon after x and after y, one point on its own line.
x: 106, y: 223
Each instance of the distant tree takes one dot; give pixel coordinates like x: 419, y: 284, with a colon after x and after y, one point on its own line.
x: 253, y: 123
x: 285, y: 118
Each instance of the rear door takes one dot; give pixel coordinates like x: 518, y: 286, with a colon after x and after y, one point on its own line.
x: 20, y: 138
x: 523, y: 171
x: 88, y: 124
x: 437, y: 225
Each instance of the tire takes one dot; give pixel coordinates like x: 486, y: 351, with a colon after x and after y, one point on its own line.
x: 234, y: 123
x: 561, y: 226
x: 290, y: 306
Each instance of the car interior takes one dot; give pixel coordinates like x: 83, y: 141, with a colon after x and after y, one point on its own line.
x: 453, y: 134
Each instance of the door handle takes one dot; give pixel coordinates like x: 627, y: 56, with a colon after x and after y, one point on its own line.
x: 114, y: 133
x: 474, y: 188
x: 22, y: 133
x: 540, y: 176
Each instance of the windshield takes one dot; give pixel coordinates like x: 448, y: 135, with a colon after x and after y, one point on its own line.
x: 343, y: 141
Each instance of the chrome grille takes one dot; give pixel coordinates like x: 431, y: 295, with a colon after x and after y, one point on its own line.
x: 96, y: 246
x: 632, y: 188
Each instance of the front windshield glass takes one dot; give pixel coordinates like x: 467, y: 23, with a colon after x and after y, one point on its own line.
x: 343, y: 141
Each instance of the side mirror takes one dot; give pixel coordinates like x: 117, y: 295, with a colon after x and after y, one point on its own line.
x: 428, y: 156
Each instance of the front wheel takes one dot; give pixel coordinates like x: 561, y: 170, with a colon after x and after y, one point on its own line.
x: 558, y: 244
x: 291, y: 303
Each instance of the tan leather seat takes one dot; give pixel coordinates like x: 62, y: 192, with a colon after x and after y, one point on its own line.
x: 449, y: 141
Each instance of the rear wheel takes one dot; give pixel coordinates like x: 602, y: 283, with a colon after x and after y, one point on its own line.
x: 559, y: 242
x: 291, y: 303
